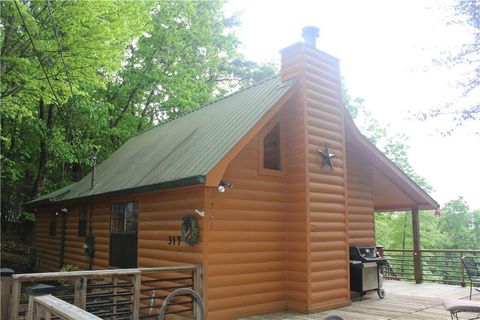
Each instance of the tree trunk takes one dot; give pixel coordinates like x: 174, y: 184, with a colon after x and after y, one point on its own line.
x: 44, y: 147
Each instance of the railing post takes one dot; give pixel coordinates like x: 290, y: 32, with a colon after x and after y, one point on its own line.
x: 80, y: 299
x: 115, y: 291
x: 137, y: 283
x: 462, y: 272
x: 417, y: 255
x: 6, y: 285
x: 197, y: 286
x: 14, y: 299
x: 33, y: 312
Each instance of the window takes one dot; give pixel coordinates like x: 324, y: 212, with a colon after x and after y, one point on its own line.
x: 82, y: 221
x: 124, y: 218
x: 52, y: 228
x: 271, y: 149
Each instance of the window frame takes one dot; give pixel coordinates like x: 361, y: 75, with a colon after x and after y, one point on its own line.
x: 83, y: 222
x: 52, y: 225
x: 263, y: 133
x: 124, y: 217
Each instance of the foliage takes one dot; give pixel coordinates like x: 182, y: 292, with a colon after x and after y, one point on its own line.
x: 467, y: 61
x: 13, y: 261
x: 457, y: 227
x: 67, y: 268
x: 81, y: 73
x: 393, y: 146
x: 17, y: 256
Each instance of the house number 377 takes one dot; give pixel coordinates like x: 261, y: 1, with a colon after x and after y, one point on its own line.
x: 174, y: 240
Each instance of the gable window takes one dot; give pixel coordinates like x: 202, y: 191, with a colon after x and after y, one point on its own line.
x: 123, y: 234
x: 52, y: 227
x: 82, y: 221
x: 271, y: 149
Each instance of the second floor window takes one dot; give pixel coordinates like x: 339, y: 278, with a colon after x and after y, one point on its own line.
x: 271, y: 149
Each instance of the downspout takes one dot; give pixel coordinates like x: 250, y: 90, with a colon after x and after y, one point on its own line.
x: 63, y: 212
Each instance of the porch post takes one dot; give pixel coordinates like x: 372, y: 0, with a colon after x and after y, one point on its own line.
x: 417, y: 255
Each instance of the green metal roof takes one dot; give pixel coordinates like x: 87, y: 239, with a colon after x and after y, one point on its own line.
x: 181, y: 151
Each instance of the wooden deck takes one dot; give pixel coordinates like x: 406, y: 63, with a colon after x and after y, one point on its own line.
x: 404, y: 300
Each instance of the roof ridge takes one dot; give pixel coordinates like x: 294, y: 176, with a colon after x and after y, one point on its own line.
x: 210, y: 103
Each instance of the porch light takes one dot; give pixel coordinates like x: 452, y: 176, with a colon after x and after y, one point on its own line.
x: 223, y: 185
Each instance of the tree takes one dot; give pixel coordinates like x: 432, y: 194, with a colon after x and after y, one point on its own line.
x: 459, y: 226
x: 467, y: 61
x: 46, y: 58
x: 79, y: 73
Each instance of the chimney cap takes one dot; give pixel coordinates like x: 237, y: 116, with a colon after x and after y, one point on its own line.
x: 310, y: 35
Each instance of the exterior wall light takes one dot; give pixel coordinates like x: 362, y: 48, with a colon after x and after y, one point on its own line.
x: 224, y: 185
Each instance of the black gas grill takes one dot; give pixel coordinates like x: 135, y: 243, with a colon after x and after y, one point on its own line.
x: 365, y: 270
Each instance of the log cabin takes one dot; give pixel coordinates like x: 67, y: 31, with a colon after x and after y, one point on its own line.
x: 277, y: 177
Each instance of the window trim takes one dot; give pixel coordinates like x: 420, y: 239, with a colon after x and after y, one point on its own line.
x: 263, y: 133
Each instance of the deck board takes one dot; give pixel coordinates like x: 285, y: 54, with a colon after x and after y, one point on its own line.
x: 404, y: 301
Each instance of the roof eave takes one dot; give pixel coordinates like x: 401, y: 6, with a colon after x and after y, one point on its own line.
x: 428, y: 203
x: 184, y: 182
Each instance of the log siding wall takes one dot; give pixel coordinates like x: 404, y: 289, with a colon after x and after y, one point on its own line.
x: 47, y: 246
x: 361, y: 220
x: 327, y: 189
x: 159, y: 215
x: 326, y: 197
x: 297, y: 237
x: 246, y: 250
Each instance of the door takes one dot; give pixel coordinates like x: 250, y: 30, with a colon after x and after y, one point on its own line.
x: 123, y: 235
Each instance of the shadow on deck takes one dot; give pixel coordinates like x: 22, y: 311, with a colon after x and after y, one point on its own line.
x: 404, y: 300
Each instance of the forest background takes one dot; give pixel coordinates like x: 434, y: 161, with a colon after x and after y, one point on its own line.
x: 78, y: 74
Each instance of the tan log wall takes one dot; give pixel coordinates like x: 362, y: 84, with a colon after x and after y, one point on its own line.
x: 48, y: 247
x: 160, y: 215
x: 246, y: 251
x: 361, y: 220
x: 297, y: 235
x: 327, y: 215
x: 327, y: 197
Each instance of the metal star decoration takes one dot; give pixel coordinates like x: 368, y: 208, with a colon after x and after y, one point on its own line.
x: 326, y: 157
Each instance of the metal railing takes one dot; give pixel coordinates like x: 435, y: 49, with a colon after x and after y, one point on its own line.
x: 438, y: 266
x: 114, y: 293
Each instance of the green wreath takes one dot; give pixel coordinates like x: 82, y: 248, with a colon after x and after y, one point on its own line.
x: 190, y: 230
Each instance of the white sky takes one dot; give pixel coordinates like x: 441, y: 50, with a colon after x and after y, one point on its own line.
x: 386, y: 50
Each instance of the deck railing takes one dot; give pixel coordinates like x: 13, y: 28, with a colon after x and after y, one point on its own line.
x: 48, y: 306
x: 438, y: 266
x: 113, y: 293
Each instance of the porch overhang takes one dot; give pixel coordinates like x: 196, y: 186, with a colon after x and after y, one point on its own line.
x: 393, y: 190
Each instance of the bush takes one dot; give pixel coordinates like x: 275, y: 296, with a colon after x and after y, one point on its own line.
x: 66, y: 268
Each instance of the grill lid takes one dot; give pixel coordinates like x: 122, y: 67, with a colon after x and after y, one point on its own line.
x: 365, y: 254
